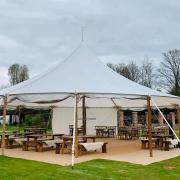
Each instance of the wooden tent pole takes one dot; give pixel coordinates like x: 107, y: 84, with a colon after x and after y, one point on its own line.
x: 178, y: 115
x: 4, y: 124
x: 19, y: 115
x: 149, y: 125
x: 84, y: 114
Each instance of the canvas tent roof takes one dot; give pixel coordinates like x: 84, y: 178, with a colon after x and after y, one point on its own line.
x: 82, y: 72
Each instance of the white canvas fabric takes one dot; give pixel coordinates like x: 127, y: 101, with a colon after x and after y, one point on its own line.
x: 82, y: 72
x: 93, y: 146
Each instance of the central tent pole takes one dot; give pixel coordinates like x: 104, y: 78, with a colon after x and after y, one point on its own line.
x: 149, y: 125
x: 75, y: 137
x: 84, y: 114
x: 4, y: 124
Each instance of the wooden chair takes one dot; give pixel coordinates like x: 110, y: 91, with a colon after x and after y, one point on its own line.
x: 101, y: 131
x: 123, y: 133
x: 133, y: 133
x: 111, y: 131
x: 80, y: 130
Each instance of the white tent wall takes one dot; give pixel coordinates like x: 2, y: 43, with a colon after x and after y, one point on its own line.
x: 100, y: 117
x: 63, y: 117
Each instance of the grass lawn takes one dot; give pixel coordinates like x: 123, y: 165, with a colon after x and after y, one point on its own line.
x: 12, y: 168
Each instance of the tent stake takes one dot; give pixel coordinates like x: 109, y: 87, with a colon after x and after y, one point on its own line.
x: 4, y: 124
x: 149, y: 125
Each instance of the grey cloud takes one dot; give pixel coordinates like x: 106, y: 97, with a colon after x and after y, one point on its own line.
x: 40, y: 33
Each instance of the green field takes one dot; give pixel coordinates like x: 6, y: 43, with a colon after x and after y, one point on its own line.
x: 12, y: 168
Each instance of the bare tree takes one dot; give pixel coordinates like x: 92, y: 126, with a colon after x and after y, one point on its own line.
x: 130, y: 71
x: 147, y: 73
x: 170, y: 71
x: 18, y: 73
x: 24, y: 73
x: 134, y: 72
x: 13, y: 73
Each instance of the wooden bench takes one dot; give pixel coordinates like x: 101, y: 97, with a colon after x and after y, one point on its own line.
x: 59, y: 146
x: 82, y: 149
x: 145, y: 143
x: 42, y: 145
x: 104, y: 147
x: 31, y: 143
x: 24, y: 145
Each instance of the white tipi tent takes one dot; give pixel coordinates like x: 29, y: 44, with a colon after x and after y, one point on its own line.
x: 82, y: 72
x: 83, y: 75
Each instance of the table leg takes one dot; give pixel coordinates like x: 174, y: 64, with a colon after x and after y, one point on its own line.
x: 58, y: 148
x: 10, y: 145
x: 27, y: 144
x: 104, y: 148
x: 35, y: 141
x: 24, y: 146
x: 161, y: 143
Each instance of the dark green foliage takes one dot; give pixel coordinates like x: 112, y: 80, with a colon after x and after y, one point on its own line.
x: 36, y: 120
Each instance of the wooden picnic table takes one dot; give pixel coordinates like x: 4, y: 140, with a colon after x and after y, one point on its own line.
x: 35, y: 130
x: 105, y: 131
x: 7, y: 135
x: 128, y: 133
x: 84, y: 137
x: 66, y: 143
x: 38, y: 140
x: 35, y: 138
x: 162, y: 138
x: 57, y: 135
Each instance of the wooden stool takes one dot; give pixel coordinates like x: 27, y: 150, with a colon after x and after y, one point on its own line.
x: 58, y: 147
x: 144, y: 143
x: 104, y: 149
x: 166, y: 147
x: 24, y: 145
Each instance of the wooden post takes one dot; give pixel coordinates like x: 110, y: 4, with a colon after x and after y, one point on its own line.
x: 160, y: 119
x: 149, y: 125
x: 76, y: 131
x: 135, y: 119
x: 173, y: 119
x: 146, y: 118
x: 84, y: 114
x: 178, y: 115
x: 19, y: 115
x: 120, y: 118
x: 4, y: 124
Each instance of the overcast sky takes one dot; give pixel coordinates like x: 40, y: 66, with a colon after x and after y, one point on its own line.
x: 39, y: 33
